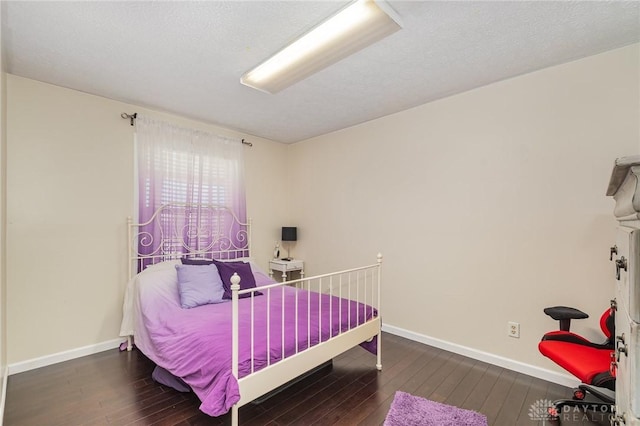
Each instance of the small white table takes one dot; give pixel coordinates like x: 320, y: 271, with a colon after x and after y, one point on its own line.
x: 285, y: 266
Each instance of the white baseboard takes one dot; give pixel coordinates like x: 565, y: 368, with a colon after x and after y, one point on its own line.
x: 43, y: 361
x: 509, y: 364
x: 3, y: 397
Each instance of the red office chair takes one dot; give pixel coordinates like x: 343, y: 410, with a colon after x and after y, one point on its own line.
x: 590, y: 362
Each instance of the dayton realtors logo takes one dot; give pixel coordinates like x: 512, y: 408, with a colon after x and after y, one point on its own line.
x: 545, y: 410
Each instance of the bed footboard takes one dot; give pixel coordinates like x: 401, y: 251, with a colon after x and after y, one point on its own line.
x: 323, y: 316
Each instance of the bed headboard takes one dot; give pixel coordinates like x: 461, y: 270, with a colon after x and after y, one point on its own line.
x: 192, y: 230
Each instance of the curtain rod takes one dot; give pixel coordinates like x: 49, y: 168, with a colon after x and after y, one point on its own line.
x: 133, y: 116
x: 129, y: 116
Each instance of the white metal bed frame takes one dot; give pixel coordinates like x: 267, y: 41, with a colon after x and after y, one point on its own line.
x: 212, y: 221
x: 346, y: 284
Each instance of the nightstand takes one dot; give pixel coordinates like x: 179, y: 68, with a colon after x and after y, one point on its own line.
x: 285, y: 266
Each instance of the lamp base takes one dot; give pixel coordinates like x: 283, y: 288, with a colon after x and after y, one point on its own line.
x: 288, y: 258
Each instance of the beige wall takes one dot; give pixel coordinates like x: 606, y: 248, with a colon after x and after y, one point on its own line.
x: 70, y: 182
x: 488, y: 206
x: 3, y: 215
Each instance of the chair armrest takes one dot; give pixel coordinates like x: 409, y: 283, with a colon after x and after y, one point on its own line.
x: 565, y: 314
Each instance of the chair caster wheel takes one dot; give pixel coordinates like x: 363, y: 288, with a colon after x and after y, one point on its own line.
x: 578, y: 394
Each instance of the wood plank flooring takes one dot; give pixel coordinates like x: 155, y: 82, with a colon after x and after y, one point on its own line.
x: 115, y: 388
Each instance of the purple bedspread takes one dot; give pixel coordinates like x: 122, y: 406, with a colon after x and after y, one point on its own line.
x: 195, y: 344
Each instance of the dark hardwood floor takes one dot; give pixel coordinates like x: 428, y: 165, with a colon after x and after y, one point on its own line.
x: 116, y: 388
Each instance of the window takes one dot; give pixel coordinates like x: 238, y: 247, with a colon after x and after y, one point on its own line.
x: 190, y: 167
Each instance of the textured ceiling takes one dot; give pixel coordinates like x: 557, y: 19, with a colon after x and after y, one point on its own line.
x: 187, y: 57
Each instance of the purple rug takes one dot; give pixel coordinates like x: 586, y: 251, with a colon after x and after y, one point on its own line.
x: 409, y: 410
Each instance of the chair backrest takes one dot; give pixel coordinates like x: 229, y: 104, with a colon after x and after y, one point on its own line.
x: 608, y: 324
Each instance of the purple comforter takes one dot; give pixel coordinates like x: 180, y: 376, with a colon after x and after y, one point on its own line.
x: 195, y: 344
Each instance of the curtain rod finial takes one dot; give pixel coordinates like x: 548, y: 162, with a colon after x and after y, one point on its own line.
x: 129, y: 116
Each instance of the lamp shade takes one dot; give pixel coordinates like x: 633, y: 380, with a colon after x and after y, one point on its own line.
x: 289, y: 233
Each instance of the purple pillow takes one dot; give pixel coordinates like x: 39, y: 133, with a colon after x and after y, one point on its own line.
x: 243, y: 269
x: 195, y: 261
x: 199, y: 285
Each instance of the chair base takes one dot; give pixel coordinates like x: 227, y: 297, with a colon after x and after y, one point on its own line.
x: 606, y: 395
x: 607, y: 399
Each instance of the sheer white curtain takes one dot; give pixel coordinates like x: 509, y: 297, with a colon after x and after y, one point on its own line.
x: 182, y: 165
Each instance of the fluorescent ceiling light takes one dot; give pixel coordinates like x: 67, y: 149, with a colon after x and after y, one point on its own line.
x: 353, y: 28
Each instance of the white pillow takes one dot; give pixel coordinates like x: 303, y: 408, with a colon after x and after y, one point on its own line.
x: 167, y: 264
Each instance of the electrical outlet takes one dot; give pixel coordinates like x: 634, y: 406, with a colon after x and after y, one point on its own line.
x: 513, y: 329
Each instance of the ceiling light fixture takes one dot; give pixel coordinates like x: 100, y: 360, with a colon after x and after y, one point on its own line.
x: 355, y: 27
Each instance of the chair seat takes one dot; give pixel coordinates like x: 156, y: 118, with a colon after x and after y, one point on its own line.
x: 584, y: 362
